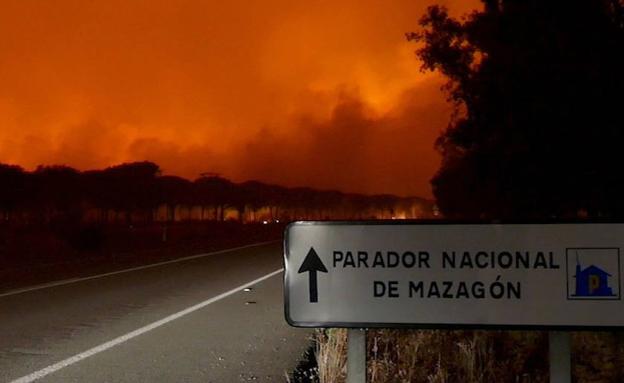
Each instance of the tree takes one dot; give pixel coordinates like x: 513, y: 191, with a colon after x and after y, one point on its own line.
x: 58, y: 192
x: 254, y: 195
x: 538, y: 124
x: 217, y: 192
x: 173, y: 191
x: 130, y: 187
x: 13, y: 186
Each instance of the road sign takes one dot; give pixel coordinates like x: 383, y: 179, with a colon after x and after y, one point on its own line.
x: 454, y: 275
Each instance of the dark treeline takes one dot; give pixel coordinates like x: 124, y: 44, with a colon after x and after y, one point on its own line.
x: 135, y: 193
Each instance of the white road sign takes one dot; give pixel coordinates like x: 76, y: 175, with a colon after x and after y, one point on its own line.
x: 439, y: 275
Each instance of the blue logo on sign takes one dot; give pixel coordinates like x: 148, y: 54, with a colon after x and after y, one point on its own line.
x: 591, y: 282
x: 593, y: 273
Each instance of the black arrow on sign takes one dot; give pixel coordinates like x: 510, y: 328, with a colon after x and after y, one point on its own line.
x: 312, y: 263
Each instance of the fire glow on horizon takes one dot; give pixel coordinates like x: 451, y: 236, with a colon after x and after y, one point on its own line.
x: 324, y: 94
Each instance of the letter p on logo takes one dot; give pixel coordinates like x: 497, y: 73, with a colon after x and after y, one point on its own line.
x: 594, y: 283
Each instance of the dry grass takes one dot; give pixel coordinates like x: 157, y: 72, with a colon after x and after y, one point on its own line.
x: 453, y: 356
x: 331, y: 355
x: 401, y: 356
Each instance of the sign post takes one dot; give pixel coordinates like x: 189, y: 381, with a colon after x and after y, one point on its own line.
x: 559, y: 355
x: 551, y: 277
x: 356, y: 355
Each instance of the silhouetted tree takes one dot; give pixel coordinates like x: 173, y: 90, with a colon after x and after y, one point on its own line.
x: 329, y: 203
x: 277, y: 195
x: 538, y: 88
x: 13, y: 190
x: 131, y: 187
x: 58, y: 192
x: 217, y: 192
x: 385, y: 203
x: 253, y: 195
x: 172, y: 192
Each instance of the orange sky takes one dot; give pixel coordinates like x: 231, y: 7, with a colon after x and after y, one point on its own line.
x: 318, y: 93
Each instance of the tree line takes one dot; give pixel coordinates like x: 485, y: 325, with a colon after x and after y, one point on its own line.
x: 134, y: 193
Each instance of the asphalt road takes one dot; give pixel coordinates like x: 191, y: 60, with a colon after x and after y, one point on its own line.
x: 187, y: 321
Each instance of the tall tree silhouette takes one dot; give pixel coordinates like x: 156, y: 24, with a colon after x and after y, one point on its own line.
x: 174, y: 191
x: 58, y: 194
x: 253, y: 195
x: 131, y: 187
x: 538, y: 128
x: 13, y: 190
x: 217, y: 192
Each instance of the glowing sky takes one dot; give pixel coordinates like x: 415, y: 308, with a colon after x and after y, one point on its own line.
x: 318, y: 93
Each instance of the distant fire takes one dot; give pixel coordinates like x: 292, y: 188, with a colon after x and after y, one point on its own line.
x: 251, y: 91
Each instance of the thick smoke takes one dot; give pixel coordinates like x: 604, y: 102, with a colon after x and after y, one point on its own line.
x: 246, y: 89
x: 355, y: 149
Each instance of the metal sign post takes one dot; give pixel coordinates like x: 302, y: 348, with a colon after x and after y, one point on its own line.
x: 559, y: 355
x: 356, y: 355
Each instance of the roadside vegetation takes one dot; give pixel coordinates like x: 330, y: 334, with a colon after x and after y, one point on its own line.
x: 436, y: 356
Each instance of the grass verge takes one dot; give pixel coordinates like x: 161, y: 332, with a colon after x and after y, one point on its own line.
x: 436, y: 356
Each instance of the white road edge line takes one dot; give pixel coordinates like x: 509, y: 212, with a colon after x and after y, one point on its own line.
x: 74, y: 280
x: 124, y: 338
